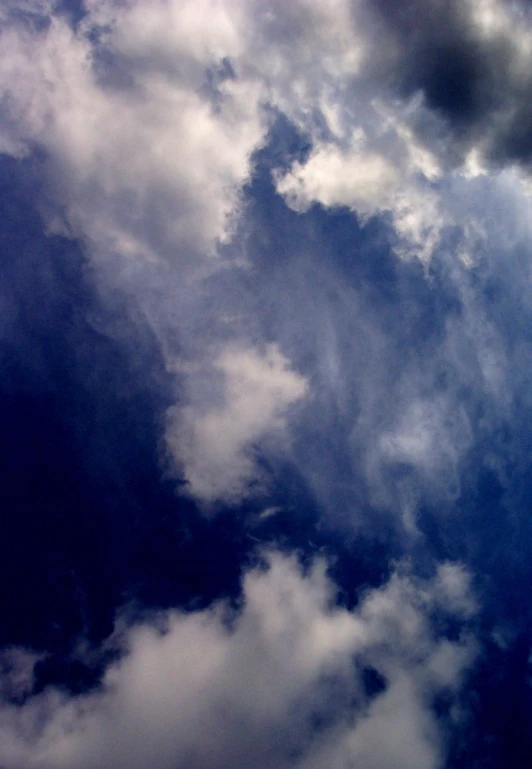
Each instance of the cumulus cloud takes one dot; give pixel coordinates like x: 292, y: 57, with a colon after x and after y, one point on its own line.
x: 283, y: 682
x: 181, y: 90
x: 146, y: 157
x: 215, y: 444
x: 361, y: 182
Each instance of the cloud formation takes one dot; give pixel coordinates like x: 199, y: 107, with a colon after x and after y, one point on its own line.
x: 215, y: 445
x: 284, y: 682
x: 146, y: 153
x: 152, y: 120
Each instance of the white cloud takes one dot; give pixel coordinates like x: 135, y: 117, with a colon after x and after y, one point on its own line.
x: 362, y: 182
x: 153, y: 149
x: 148, y: 165
x: 211, y: 689
x: 215, y: 443
x: 369, y: 184
x: 155, y: 159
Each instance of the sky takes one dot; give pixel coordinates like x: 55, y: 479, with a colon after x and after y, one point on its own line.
x: 265, y: 384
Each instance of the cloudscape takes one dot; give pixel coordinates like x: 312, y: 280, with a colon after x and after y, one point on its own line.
x: 266, y: 384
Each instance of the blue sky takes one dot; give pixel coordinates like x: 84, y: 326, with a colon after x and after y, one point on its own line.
x: 265, y: 366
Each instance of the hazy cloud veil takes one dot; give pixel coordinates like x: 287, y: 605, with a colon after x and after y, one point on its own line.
x: 266, y: 370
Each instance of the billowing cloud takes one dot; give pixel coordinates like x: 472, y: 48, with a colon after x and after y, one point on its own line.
x: 360, y: 182
x: 284, y: 682
x: 147, y: 155
x: 214, y: 444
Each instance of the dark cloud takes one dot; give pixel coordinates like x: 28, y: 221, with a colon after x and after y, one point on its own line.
x: 477, y: 81
x: 437, y: 53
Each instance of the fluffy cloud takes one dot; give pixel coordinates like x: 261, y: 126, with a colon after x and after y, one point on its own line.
x: 147, y: 155
x: 361, y: 182
x: 180, y: 90
x: 215, y: 444
x: 281, y: 683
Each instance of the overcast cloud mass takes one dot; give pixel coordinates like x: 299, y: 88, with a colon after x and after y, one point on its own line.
x: 266, y: 384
